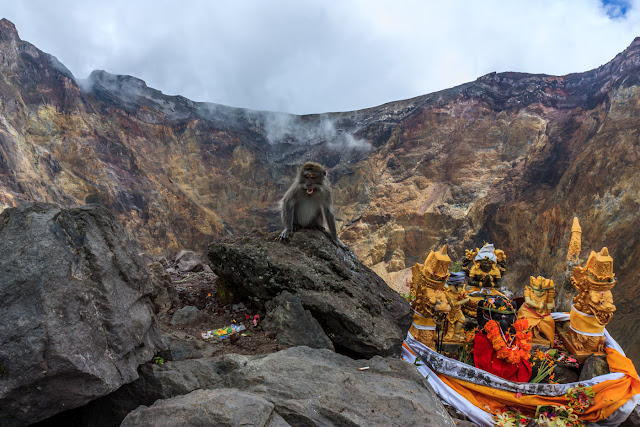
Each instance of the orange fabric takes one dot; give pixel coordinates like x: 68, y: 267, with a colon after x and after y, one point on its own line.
x: 545, y: 323
x: 404, y: 344
x: 610, y: 395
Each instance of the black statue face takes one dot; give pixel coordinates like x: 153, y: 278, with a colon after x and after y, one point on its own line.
x: 485, y: 265
x: 498, y: 308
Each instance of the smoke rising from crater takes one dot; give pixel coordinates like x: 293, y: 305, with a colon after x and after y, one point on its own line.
x: 300, y: 130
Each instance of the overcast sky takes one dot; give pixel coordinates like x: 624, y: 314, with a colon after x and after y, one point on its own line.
x: 306, y: 56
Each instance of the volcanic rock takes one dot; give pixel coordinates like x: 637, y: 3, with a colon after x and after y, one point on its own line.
x: 188, y: 315
x: 77, y: 318
x: 189, y: 261
x: 633, y: 420
x: 292, y: 325
x: 307, y: 387
x: 223, y: 407
x: 593, y: 367
x: 182, y: 349
x: 354, y: 306
x: 164, y: 295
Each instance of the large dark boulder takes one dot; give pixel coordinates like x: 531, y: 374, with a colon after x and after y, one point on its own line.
x: 355, y: 307
x: 76, y: 318
x: 308, y: 387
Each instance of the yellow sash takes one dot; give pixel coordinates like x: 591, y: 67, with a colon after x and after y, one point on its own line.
x: 585, y: 324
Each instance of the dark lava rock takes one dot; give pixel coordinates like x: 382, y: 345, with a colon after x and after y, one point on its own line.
x: 292, y: 324
x: 189, y: 261
x: 188, y: 315
x: 307, y: 386
x: 76, y: 318
x: 593, y: 367
x: 223, y: 408
x: 355, y: 307
x: 164, y: 295
x: 633, y: 420
x: 182, y: 349
x: 565, y: 373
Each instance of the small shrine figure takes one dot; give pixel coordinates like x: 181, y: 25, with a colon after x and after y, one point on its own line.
x: 457, y: 297
x: 502, y: 344
x: 593, y: 307
x: 575, y: 244
x: 484, y: 267
x: 430, y: 304
x: 538, y: 304
x: 485, y: 272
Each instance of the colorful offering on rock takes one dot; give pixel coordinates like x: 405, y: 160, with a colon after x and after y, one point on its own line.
x: 222, y: 332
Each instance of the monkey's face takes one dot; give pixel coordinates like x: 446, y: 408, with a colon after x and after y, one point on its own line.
x: 312, y: 180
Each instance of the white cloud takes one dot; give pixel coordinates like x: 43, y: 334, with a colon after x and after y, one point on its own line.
x: 319, y: 56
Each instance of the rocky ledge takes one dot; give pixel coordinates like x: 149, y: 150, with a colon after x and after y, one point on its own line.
x: 354, y: 307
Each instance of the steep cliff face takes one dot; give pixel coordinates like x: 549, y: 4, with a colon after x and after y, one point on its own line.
x: 509, y: 159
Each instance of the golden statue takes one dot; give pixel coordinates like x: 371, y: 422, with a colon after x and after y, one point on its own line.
x: 575, y: 245
x: 484, y: 267
x: 484, y: 271
x: 430, y: 301
x: 457, y: 298
x: 593, y: 307
x: 538, y: 304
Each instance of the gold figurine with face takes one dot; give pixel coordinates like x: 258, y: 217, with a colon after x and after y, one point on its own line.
x: 593, y: 306
x: 430, y: 303
x: 539, y: 297
x: 457, y: 297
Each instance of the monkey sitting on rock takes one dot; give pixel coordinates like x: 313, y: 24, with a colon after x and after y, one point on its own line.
x: 308, y: 202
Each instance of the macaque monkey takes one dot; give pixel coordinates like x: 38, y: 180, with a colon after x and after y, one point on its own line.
x: 308, y: 202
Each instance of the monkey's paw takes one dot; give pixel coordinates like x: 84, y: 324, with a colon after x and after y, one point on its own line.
x: 340, y: 244
x: 284, y: 235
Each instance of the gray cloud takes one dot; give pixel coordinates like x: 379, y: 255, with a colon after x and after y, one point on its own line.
x: 318, y: 56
